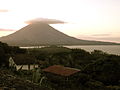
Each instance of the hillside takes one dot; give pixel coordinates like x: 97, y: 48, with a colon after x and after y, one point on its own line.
x: 43, y: 34
x: 12, y: 81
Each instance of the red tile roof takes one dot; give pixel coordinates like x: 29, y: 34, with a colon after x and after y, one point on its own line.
x: 61, y: 70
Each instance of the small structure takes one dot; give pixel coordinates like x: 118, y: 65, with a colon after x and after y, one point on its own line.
x: 61, y: 70
x: 25, y: 61
x: 61, y: 75
x: 27, y: 66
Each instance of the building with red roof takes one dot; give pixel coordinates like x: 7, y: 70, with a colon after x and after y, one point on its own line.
x: 61, y: 70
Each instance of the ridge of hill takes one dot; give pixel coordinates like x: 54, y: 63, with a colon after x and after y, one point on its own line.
x: 43, y: 34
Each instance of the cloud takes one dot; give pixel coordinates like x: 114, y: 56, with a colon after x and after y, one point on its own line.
x: 45, y: 20
x: 101, y: 35
x: 7, y: 30
x: 107, y: 38
x: 3, y: 10
x: 110, y: 39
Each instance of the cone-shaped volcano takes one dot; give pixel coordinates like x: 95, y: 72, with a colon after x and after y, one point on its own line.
x: 43, y: 34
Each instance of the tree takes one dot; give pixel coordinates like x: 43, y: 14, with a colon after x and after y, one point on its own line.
x: 2, y: 56
x: 97, y: 54
x: 106, y: 70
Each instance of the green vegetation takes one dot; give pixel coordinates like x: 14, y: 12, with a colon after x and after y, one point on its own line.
x: 99, y: 70
x: 7, y: 51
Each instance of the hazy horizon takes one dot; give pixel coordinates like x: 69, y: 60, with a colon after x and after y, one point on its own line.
x: 86, y: 19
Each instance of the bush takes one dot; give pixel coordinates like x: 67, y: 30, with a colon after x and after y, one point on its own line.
x: 113, y: 87
x: 94, y: 84
x: 106, y: 71
x: 83, y: 78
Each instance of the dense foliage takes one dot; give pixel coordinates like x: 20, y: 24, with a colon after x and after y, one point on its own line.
x: 7, y: 51
x: 99, y: 70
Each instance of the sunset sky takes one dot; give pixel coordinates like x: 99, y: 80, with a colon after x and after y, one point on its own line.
x: 86, y: 19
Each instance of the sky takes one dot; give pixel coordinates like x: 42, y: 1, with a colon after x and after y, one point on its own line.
x: 86, y: 19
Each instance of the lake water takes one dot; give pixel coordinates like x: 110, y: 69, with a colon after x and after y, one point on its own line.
x: 111, y: 49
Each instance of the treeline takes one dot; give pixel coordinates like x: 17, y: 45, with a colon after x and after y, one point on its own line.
x: 7, y: 51
x: 99, y: 70
x: 77, y: 58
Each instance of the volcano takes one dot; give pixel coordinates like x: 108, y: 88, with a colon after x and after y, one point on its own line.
x: 43, y: 34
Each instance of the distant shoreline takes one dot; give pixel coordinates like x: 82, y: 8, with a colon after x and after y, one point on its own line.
x: 111, y: 49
